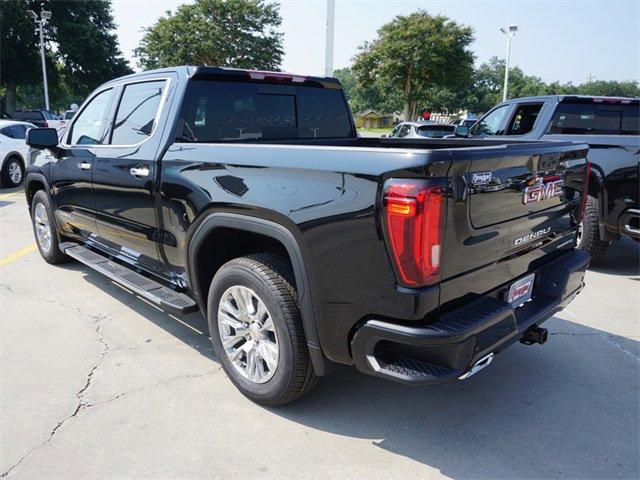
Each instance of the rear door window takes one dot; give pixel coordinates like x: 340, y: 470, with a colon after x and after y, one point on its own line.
x: 19, y: 131
x: 137, y: 111
x: 7, y: 132
x: 524, y: 118
x: 595, y: 119
x: 226, y: 111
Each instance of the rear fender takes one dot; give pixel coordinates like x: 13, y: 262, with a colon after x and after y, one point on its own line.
x: 279, y: 233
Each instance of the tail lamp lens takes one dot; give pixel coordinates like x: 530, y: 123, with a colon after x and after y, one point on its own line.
x: 413, y: 215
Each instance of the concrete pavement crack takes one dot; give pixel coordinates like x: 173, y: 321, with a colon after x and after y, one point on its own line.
x: 97, y: 319
x: 607, y: 336
x: 155, y: 385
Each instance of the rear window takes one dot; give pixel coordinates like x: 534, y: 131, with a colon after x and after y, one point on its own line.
x: 435, y: 131
x: 226, y: 111
x: 596, y: 119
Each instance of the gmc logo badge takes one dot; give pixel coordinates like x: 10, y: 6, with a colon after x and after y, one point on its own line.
x: 542, y: 191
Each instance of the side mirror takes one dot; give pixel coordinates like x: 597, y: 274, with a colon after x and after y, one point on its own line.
x: 461, y: 131
x: 384, y: 135
x: 42, y: 137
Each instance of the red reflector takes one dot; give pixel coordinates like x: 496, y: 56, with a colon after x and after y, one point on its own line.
x: 585, y: 190
x: 413, y: 211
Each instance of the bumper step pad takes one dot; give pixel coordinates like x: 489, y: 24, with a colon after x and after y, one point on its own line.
x: 151, y: 290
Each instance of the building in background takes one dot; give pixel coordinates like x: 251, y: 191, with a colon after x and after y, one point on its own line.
x: 373, y: 119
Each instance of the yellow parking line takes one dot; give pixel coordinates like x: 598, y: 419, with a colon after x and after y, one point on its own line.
x: 16, y: 255
x: 11, y: 195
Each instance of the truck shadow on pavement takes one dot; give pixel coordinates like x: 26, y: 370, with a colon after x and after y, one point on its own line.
x: 622, y: 258
x: 565, y: 409
x: 568, y: 409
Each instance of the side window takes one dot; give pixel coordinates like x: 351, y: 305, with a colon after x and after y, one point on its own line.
x: 137, y: 112
x: 89, y: 125
x: 490, y: 124
x: 630, y: 124
x: 7, y: 132
x: 592, y: 119
x: 404, y: 131
x: 19, y: 131
x: 524, y: 119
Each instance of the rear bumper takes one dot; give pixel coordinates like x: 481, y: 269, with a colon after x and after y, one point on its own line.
x: 447, y: 348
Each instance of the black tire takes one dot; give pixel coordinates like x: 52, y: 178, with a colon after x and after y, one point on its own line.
x: 53, y: 254
x: 269, y: 276
x: 589, y: 238
x: 11, y: 163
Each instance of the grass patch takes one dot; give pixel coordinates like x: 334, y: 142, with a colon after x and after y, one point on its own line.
x: 376, y: 130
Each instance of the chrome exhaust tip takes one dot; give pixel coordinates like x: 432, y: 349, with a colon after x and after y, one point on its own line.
x: 479, y: 365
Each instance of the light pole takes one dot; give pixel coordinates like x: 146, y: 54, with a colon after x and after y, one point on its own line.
x: 328, y: 42
x: 41, y: 22
x: 509, y: 31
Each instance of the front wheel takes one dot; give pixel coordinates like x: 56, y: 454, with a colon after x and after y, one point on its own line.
x: 256, y: 329
x: 44, y: 229
x: 12, y: 173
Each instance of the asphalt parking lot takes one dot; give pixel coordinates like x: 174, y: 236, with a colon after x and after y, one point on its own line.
x: 96, y: 383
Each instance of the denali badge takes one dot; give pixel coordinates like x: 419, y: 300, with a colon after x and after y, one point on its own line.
x: 531, y: 236
x: 540, y: 190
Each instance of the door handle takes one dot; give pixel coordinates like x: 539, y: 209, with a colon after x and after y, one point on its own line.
x: 84, y: 166
x: 139, y: 171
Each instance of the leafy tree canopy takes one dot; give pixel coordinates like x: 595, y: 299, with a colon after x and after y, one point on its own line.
x: 233, y: 33
x: 421, y: 56
x: 488, y: 80
x: 81, y: 49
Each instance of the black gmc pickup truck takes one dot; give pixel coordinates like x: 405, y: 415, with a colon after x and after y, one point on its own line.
x: 610, y: 126
x: 249, y: 196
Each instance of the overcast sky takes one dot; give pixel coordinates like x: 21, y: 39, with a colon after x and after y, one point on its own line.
x: 565, y: 40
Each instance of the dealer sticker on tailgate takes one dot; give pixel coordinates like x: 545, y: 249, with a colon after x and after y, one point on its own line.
x: 520, y: 291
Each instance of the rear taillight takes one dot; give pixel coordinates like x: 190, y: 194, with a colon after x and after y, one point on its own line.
x: 46, y: 124
x: 585, y: 190
x: 414, y: 218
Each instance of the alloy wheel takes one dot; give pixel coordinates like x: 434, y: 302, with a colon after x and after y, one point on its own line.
x: 15, y: 173
x: 43, y: 227
x: 248, y: 334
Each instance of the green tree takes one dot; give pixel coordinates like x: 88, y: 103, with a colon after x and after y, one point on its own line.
x: 81, y: 49
x: 376, y: 95
x: 233, y: 33
x: 488, y: 80
x: 419, y: 53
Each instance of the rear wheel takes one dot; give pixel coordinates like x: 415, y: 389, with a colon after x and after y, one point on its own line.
x: 256, y: 329
x: 589, y: 232
x: 44, y: 229
x: 12, y: 173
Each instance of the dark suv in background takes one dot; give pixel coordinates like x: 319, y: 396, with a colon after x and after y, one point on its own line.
x: 39, y: 118
x: 611, y: 128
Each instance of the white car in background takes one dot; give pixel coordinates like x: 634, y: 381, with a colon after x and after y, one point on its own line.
x: 62, y: 121
x: 13, y: 152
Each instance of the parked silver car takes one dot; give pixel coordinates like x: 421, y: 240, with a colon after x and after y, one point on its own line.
x: 422, y: 130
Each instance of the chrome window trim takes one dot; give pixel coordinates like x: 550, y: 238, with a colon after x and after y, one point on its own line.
x: 163, y: 100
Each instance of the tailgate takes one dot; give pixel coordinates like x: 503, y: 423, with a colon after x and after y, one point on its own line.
x: 516, y: 211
